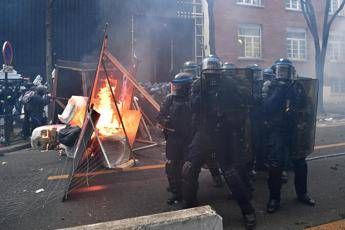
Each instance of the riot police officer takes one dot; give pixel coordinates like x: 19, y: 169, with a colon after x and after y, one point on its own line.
x: 36, y: 107
x: 284, y: 97
x: 210, y: 162
x: 191, y: 68
x: 211, y: 133
x: 228, y: 68
x: 268, y: 77
x: 175, y: 119
x: 267, y: 74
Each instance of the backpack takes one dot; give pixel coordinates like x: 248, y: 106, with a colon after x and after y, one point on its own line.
x: 69, y: 135
x: 27, y: 96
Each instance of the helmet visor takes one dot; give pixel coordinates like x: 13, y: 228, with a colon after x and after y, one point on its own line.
x: 258, y: 75
x: 283, y: 72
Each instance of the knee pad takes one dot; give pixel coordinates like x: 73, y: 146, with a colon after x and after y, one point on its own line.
x: 168, y: 166
x: 173, y: 166
x: 230, y: 172
x: 187, y: 169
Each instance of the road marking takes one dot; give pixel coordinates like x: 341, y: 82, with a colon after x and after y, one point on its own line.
x: 110, y: 171
x: 329, y: 146
x: 336, y: 225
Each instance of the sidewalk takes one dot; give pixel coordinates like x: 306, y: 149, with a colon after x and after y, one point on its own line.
x: 16, y: 146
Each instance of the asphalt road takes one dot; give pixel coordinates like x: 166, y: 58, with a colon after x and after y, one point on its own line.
x: 130, y: 194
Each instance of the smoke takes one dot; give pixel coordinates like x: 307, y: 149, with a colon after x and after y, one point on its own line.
x: 334, y: 90
x: 149, y: 30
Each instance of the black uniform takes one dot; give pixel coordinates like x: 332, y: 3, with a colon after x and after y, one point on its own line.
x: 35, y: 109
x: 175, y: 117
x: 281, y: 105
x: 216, y: 132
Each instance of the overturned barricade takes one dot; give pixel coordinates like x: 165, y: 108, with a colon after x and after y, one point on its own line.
x: 111, y: 122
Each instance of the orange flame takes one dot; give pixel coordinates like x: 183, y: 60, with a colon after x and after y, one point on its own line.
x: 108, y: 124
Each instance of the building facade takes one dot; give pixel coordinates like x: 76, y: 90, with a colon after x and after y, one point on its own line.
x: 162, y: 34
x: 262, y: 31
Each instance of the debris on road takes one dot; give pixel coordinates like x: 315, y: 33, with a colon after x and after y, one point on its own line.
x: 39, y: 190
x: 334, y: 167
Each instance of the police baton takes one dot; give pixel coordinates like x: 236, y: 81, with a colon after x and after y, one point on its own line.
x: 165, y: 128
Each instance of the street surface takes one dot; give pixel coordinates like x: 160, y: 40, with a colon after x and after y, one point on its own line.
x: 142, y: 191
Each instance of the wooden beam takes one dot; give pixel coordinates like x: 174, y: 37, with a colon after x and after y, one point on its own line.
x: 60, y: 103
x: 131, y: 78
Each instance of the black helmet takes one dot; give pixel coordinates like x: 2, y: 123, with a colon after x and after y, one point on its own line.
x: 267, y: 73
x: 228, y: 65
x: 211, y: 62
x: 191, y: 67
x: 257, y: 72
x: 181, y: 84
x: 284, y: 69
x: 228, y: 69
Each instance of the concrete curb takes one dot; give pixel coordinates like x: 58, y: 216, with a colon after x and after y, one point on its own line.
x: 200, y: 218
x: 13, y: 148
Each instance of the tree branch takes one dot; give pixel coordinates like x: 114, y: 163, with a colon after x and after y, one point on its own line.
x: 309, y: 15
x: 341, y: 7
x: 328, y: 24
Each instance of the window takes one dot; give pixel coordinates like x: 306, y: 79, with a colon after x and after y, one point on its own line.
x: 336, y: 46
x: 249, y: 38
x: 337, y: 85
x: 296, y: 44
x: 249, y: 2
x: 293, y: 4
x: 334, y: 7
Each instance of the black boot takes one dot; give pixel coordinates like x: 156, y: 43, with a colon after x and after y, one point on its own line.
x: 306, y: 199
x: 175, y: 199
x: 273, y: 205
x: 301, y: 175
x: 249, y: 220
x: 274, y: 185
x: 240, y: 194
x: 190, y: 185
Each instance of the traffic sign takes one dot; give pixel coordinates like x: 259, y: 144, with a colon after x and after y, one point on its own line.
x: 7, y: 53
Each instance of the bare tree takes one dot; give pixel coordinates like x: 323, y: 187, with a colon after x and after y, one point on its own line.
x: 320, y: 39
x: 49, y: 40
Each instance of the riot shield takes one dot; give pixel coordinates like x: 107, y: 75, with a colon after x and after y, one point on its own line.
x: 234, y: 103
x: 236, y: 90
x: 304, y: 127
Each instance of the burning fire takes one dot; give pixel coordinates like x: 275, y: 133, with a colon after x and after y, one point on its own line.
x: 108, y: 124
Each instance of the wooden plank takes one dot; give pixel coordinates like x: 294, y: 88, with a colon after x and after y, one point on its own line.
x: 336, y: 225
x: 131, y: 78
x: 60, y: 103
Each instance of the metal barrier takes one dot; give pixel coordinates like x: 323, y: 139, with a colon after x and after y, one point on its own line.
x: 12, y: 128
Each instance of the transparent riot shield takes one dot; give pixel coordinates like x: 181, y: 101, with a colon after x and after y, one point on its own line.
x: 304, y: 126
